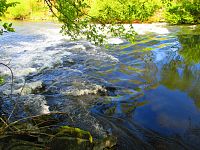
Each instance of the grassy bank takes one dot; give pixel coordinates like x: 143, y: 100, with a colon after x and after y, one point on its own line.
x: 171, y: 11
x: 29, y: 10
x: 124, y: 11
x: 135, y: 11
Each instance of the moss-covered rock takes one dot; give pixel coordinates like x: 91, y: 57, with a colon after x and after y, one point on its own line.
x: 44, y: 132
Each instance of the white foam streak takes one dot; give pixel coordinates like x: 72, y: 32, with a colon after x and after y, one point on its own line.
x: 153, y: 28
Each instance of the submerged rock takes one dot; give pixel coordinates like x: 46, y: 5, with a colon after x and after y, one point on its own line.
x: 82, y: 88
x: 32, y: 88
x: 19, y: 87
x: 108, y: 142
x: 84, y: 91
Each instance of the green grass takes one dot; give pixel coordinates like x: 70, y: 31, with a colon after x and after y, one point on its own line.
x: 123, y: 11
x: 171, y: 11
x: 28, y: 9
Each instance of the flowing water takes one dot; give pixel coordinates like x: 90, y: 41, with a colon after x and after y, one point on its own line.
x: 146, y: 93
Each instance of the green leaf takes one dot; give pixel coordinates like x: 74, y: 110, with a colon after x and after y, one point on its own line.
x: 2, y: 81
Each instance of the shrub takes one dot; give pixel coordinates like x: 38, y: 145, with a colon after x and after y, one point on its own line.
x: 26, y: 9
x: 183, y: 12
x: 20, y: 11
x: 123, y: 10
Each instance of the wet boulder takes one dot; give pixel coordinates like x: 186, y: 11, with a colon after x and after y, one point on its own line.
x: 32, y: 88
x: 63, y: 138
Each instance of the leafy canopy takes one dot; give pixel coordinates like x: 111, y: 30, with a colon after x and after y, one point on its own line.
x: 3, y: 8
x: 182, y: 11
x: 78, y: 23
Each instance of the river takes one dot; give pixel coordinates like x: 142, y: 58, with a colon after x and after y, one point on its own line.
x: 146, y: 93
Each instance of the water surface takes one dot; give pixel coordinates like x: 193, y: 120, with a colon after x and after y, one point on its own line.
x: 146, y: 93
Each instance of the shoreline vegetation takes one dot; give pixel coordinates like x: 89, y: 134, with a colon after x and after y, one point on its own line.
x: 143, y: 11
x: 30, y: 10
x: 80, y: 18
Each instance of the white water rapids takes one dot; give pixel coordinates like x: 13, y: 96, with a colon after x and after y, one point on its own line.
x: 47, y: 62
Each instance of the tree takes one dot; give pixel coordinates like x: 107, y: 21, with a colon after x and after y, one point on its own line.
x: 77, y: 23
x: 3, y: 8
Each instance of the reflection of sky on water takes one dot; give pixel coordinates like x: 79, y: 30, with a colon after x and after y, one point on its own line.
x: 168, y: 111
x: 168, y: 101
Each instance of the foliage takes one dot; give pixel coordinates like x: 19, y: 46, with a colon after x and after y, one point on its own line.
x: 183, y: 11
x: 1, y: 80
x: 22, y: 10
x: 77, y: 15
x: 3, y: 8
x: 77, y: 22
x: 8, y: 27
x: 80, y: 18
x: 122, y: 10
x: 27, y: 9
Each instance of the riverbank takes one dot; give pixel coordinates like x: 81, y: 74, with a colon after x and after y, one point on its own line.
x: 29, y: 10
x: 173, y: 12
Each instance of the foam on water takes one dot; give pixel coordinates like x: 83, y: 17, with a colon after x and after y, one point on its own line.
x: 50, y: 63
x: 141, y: 29
x: 36, y: 104
x: 151, y: 28
x: 40, y: 52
